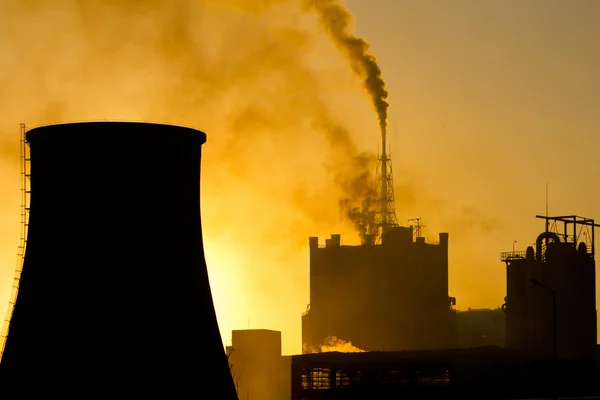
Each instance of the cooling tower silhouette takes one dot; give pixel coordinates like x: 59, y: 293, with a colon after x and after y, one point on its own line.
x: 114, y: 294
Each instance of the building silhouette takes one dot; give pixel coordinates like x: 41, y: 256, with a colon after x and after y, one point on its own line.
x: 258, y: 368
x: 551, y: 294
x: 476, y: 373
x: 114, y: 296
x: 504, y: 353
x: 388, y: 296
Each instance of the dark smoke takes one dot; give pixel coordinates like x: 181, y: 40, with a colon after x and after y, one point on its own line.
x: 336, y: 19
x: 361, y: 186
x: 352, y: 172
x: 360, y: 203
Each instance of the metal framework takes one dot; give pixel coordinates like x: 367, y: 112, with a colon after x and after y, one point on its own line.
x: 507, y: 256
x: 417, y: 229
x: 582, y: 229
x: 25, y: 201
x: 386, y: 210
x: 570, y: 228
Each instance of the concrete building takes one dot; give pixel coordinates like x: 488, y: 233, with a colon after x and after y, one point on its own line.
x: 258, y: 368
x: 390, y: 296
x: 551, y: 293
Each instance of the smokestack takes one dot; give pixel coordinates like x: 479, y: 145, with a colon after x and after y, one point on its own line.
x: 114, y: 295
x: 336, y: 240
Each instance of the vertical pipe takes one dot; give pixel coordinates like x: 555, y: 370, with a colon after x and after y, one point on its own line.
x: 593, y: 241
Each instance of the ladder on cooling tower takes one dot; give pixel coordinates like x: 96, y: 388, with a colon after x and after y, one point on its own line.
x: 25, y: 197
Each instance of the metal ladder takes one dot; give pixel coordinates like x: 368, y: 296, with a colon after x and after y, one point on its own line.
x: 25, y: 202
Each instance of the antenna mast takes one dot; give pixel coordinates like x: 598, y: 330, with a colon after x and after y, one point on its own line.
x: 417, y: 229
x: 547, y: 220
x: 546, y: 199
x: 386, y: 210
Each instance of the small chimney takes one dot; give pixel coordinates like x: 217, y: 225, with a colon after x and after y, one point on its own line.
x: 368, y: 240
x: 327, y: 242
x: 336, y: 240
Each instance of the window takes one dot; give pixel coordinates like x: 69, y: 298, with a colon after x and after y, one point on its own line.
x: 316, y: 379
x: 342, y: 380
x: 395, y: 376
x: 429, y: 378
x: 442, y: 379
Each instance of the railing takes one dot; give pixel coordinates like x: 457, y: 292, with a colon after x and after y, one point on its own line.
x: 520, y: 255
x: 512, y: 255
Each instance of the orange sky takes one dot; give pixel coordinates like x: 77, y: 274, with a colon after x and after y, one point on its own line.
x: 488, y: 102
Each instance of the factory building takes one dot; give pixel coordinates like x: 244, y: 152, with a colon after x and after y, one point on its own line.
x: 477, y: 373
x: 380, y: 297
x: 551, y: 293
x: 257, y: 366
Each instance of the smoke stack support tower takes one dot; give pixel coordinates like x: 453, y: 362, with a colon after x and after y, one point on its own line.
x: 386, y: 210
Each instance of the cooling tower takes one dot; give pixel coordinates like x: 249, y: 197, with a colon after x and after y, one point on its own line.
x: 114, y: 294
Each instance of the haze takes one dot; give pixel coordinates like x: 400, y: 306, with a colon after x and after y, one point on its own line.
x: 488, y: 102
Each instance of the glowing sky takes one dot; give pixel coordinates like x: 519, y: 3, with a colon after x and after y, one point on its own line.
x: 488, y: 102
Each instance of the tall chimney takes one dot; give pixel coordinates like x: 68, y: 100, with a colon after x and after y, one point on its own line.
x: 114, y: 295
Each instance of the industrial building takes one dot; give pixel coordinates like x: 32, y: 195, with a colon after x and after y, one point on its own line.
x: 488, y: 372
x: 551, y: 293
x: 380, y: 297
x: 540, y: 343
x: 391, y: 293
x: 257, y: 366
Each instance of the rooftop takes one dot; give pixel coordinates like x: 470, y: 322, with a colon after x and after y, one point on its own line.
x: 407, y: 356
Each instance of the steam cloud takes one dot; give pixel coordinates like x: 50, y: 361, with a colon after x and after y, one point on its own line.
x: 332, y: 343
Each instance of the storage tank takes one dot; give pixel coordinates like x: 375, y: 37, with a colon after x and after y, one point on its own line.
x: 114, y: 295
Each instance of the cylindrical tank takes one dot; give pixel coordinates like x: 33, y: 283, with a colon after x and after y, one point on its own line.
x: 114, y: 295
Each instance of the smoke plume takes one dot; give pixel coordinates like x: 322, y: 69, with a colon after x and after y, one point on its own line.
x: 352, y: 172
x: 359, y: 206
x: 337, y: 19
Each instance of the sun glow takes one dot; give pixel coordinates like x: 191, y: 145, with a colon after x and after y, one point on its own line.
x: 225, y: 286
